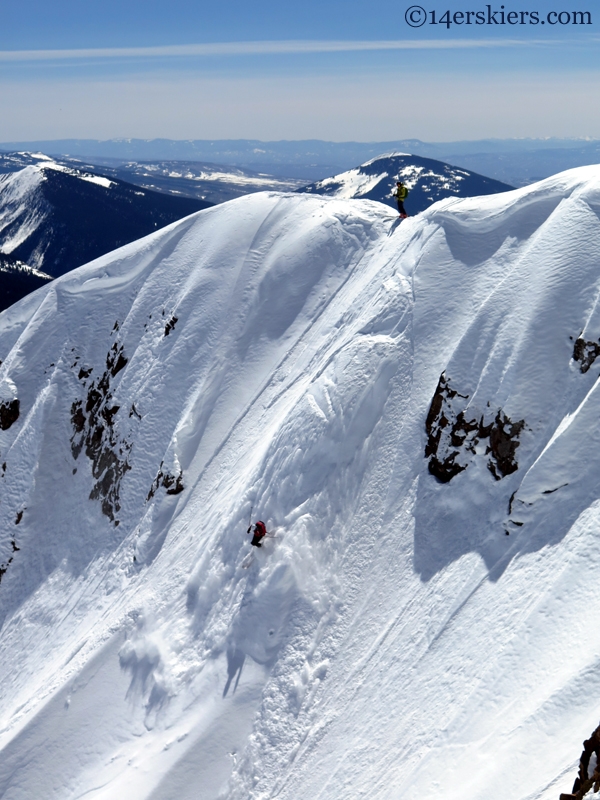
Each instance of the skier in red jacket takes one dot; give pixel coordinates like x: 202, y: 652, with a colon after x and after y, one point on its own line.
x: 259, y: 531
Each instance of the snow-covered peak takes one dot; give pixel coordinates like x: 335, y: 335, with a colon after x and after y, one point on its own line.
x: 391, y: 154
x: 392, y: 400
x: 23, y: 176
x: 426, y: 179
x: 355, y: 183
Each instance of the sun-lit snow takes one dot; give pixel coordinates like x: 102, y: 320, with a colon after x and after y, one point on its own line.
x: 218, y: 182
x: 391, y: 154
x: 212, y: 182
x: 254, y: 181
x: 284, y: 357
x: 39, y: 156
x: 353, y: 183
x: 55, y: 218
x: 84, y: 176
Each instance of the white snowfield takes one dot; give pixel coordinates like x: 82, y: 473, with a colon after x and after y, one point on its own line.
x: 281, y: 353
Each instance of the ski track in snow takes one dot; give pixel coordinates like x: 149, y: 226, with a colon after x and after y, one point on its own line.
x: 282, y: 352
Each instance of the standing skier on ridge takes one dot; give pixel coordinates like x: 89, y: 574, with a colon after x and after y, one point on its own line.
x: 259, y: 531
x: 401, y: 194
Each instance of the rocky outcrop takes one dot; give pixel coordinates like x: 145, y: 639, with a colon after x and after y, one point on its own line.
x: 585, y: 353
x: 95, y: 433
x: 588, y: 778
x: 456, y: 431
x: 9, y: 413
x: 172, y: 483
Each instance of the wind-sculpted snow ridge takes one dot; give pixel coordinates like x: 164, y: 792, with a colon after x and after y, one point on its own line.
x: 306, y: 360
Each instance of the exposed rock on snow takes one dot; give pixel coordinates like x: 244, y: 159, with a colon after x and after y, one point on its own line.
x: 588, y: 779
x: 9, y: 413
x: 455, y: 433
x: 585, y: 353
x: 170, y: 325
x: 172, y: 483
x: 94, y: 428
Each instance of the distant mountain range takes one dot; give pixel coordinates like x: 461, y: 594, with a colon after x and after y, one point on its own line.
x: 54, y: 218
x: 428, y: 181
x: 515, y: 161
x: 525, y: 167
x: 214, y: 183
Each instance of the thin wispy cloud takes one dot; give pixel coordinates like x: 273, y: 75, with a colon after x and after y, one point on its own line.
x: 265, y: 48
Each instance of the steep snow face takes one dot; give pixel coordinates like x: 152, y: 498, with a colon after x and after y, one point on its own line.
x: 392, y: 400
x: 426, y: 179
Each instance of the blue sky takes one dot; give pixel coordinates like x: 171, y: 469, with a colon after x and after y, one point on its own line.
x: 333, y: 70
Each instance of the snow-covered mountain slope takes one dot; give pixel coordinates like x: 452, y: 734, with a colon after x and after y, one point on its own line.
x: 426, y: 179
x: 312, y: 159
x: 55, y: 218
x: 392, y: 400
x: 214, y: 183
